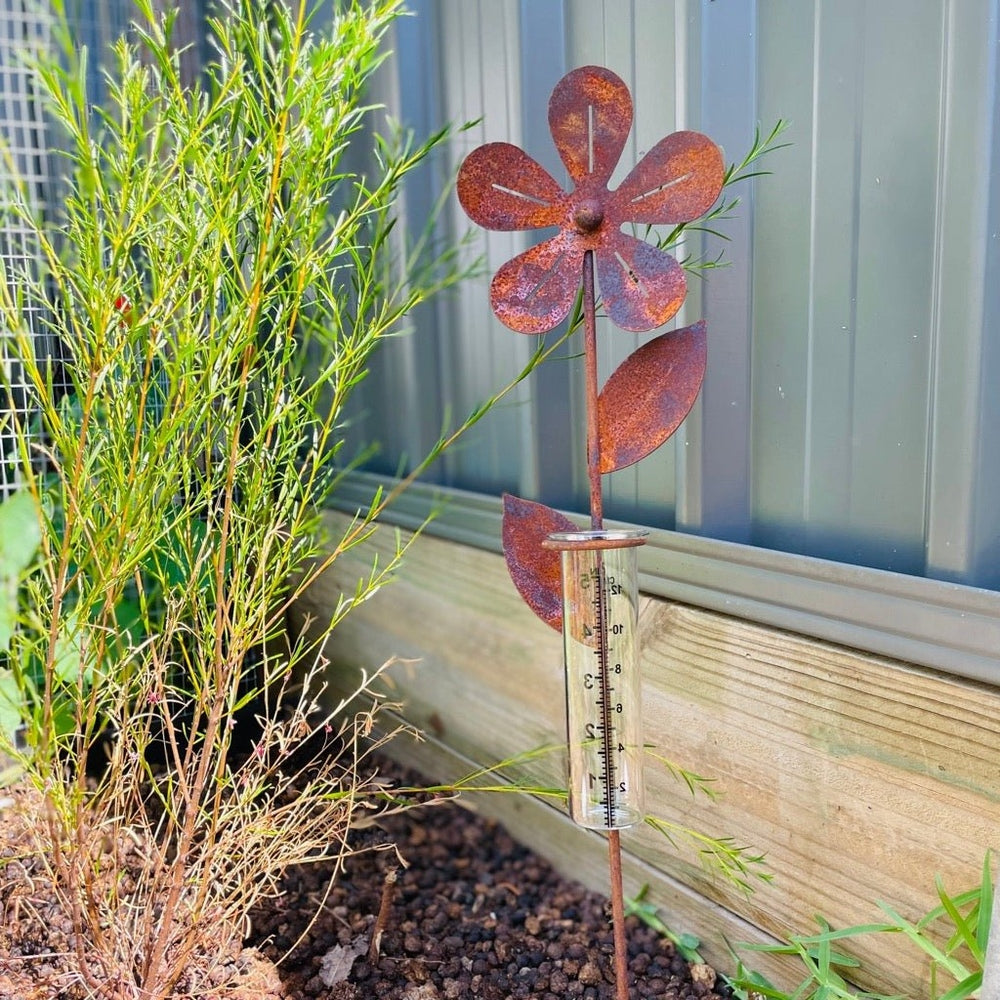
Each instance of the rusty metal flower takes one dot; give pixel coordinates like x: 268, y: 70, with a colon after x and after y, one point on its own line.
x: 502, y: 188
x: 648, y: 396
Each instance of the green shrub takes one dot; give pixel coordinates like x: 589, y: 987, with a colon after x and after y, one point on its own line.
x: 218, y: 277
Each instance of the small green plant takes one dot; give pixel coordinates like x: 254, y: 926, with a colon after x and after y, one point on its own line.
x: 823, y: 964
x: 687, y: 945
x: 953, y: 935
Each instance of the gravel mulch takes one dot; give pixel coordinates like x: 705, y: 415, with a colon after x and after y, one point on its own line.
x: 471, y: 913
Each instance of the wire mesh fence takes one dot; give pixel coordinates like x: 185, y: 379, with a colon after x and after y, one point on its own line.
x: 24, y: 132
x: 31, y: 161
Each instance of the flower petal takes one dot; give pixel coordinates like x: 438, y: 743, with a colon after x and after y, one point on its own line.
x: 501, y: 187
x: 590, y: 114
x: 678, y: 180
x: 533, y: 292
x: 642, y: 286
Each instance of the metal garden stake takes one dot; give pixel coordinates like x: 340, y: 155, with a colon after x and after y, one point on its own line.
x: 584, y: 583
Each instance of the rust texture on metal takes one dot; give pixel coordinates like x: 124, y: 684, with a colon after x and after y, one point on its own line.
x: 502, y: 188
x: 590, y: 117
x: 649, y: 395
x: 590, y: 393
x: 535, y: 570
x: 530, y: 198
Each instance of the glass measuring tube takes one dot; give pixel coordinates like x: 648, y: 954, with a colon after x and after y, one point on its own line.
x: 600, y: 650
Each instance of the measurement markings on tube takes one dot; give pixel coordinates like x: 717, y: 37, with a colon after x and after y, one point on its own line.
x: 607, y: 778
x: 602, y: 595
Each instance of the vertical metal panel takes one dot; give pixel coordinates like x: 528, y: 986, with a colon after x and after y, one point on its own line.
x: 983, y: 567
x: 686, y: 443
x: 589, y: 42
x: 483, y: 41
x: 729, y: 101
x: 961, y: 526
x: 830, y: 324
x: 403, y: 369
x: 647, y: 41
x: 638, y: 41
x: 868, y: 327
x: 792, y: 77
x: 96, y: 25
x: 620, y: 33
x: 806, y: 226
x: 896, y: 185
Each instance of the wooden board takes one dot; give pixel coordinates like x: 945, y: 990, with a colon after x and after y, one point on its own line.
x: 859, y: 777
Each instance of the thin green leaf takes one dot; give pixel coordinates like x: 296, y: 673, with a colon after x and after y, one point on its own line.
x: 965, y: 989
x: 964, y: 930
x: 952, y: 966
x: 985, y: 904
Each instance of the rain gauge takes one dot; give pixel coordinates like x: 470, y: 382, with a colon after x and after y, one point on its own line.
x: 601, y: 657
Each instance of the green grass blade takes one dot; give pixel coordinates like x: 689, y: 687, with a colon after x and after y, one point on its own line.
x: 964, y: 989
x: 850, y: 932
x: 963, y: 928
x: 951, y: 965
x: 985, y: 904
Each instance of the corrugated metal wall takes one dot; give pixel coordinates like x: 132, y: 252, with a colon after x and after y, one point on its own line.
x: 854, y: 339
x: 872, y: 272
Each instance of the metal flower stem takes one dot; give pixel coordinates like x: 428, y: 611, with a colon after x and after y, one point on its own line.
x: 590, y: 376
x: 596, y: 523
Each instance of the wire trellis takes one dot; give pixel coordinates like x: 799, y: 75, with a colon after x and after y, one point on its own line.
x: 32, y: 161
x: 25, y: 134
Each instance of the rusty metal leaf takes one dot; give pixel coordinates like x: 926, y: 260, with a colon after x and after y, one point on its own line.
x: 590, y: 115
x: 501, y: 187
x: 649, y: 394
x: 534, y: 292
x: 679, y: 179
x: 535, y: 571
x: 641, y: 285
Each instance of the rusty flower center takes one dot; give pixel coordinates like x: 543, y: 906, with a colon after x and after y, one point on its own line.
x: 588, y: 216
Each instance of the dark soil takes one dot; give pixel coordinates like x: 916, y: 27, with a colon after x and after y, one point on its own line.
x: 471, y: 914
